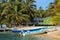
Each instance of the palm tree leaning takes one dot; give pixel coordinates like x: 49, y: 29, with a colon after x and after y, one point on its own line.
x: 16, y: 11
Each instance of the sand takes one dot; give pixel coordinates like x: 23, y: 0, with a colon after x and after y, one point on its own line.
x: 54, y: 34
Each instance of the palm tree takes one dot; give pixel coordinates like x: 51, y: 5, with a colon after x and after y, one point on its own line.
x: 16, y: 11
x: 2, y: 4
x: 12, y: 14
x: 28, y: 7
x: 51, y: 10
x: 40, y: 12
x: 18, y: 16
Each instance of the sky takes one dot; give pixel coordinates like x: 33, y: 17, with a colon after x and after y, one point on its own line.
x: 43, y: 3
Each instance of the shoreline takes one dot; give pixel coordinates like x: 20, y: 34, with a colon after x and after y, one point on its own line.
x: 54, y: 34
x: 48, y: 35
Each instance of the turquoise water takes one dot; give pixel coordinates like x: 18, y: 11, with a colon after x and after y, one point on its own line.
x: 17, y: 36
x: 33, y: 32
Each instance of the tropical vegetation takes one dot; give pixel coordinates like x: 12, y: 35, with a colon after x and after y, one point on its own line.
x: 24, y: 11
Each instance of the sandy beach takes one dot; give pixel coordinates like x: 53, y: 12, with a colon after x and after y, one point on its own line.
x: 54, y: 34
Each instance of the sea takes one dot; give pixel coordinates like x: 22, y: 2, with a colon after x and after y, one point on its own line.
x: 17, y: 36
